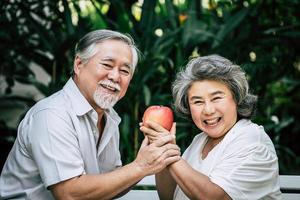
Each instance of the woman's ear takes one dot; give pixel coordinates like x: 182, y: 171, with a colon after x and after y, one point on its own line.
x: 77, y: 65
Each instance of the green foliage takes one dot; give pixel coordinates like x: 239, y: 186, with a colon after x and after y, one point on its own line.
x: 262, y: 36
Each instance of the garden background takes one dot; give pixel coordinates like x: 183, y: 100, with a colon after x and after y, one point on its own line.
x: 263, y: 36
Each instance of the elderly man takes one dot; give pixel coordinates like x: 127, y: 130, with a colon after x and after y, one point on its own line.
x: 68, y: 144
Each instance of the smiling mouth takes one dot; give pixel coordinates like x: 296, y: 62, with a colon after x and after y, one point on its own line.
x: 109, y: 87
x: 212, y: 122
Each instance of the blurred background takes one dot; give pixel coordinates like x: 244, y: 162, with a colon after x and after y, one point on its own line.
x: 37, y: 40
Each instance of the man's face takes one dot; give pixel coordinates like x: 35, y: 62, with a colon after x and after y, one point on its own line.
x: 104, y: 79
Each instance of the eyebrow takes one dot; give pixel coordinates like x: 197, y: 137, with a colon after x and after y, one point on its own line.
x: 128, y: 65
x: 212, y: 94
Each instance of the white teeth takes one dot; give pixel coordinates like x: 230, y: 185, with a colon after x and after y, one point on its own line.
x: 110, y: 85
x: 211, y: 121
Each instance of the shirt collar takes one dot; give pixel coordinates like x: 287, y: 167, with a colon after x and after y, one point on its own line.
x: 241, y: 123
x: 79, y: 103
x: 113, y: 115
x: 233, y: 131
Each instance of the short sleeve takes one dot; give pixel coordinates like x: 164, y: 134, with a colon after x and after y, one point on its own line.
x: 54, y: 146
x: 249, y: 173
x: 195, y: 146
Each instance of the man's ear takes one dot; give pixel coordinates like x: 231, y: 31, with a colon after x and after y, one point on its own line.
x: 77, y: 65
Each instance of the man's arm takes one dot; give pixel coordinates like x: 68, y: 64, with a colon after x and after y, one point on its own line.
x: 151, y: 159
x: 100, y: 186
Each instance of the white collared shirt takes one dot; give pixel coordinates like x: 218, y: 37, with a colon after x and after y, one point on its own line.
x: 244, y: 164
x: 57, y: 141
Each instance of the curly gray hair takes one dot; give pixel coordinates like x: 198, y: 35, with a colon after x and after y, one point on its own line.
x: 214, y: 67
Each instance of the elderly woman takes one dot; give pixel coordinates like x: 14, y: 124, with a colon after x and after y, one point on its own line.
x: 232, y: 158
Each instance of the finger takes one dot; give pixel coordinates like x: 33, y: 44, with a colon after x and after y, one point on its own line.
x: 168, y: 158
x: 163, y: 140
x: 171, y: 160
x: 170, y: 146
x: 171, y: 152
x: 156, y: 136
x: 149, y: 131
x: 151, y: 138
x: 145, y: 142
x: 173, y: 129
x: 155, y: 126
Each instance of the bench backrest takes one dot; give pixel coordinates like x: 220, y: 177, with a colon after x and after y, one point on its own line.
x: 290, y: 188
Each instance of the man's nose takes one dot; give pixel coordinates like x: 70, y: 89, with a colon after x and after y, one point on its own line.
x: 114, y: 75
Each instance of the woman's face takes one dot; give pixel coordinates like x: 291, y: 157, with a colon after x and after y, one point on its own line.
x: 212, y: 107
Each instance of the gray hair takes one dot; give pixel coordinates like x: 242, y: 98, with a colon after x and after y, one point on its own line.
x: 85, y: 48
x: 214, y: 67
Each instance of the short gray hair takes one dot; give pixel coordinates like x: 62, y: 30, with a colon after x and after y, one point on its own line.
x: 217, y: 68
x: 85, y: 48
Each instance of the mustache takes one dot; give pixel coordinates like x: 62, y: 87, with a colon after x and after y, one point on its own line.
x: 110, y: 84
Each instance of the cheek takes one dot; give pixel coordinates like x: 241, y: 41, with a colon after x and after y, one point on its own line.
x: 124, y: 86
x: 230, y: 109
x: 196, y: 115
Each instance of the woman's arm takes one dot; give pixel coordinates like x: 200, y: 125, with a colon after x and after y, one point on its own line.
x: 194, y: 184
x: 165, y: 184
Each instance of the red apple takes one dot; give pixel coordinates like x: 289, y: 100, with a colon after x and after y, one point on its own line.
x: 162, y: 115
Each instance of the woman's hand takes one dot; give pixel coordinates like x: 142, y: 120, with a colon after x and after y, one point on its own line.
x: 153, y: 131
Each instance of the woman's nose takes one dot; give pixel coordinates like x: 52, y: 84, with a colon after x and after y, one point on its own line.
x: 208, y: 108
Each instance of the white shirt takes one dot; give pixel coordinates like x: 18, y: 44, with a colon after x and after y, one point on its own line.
x: 244, y: 163
x: 57, y: 141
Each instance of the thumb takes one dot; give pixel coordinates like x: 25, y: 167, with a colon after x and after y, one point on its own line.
x: 173, y: 129
x: 145, y: 142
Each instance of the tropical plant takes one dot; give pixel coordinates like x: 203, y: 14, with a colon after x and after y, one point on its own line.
x: 263, y: 36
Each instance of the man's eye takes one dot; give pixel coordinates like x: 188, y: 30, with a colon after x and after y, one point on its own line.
x: 125, y: 71
x: 107, y: 65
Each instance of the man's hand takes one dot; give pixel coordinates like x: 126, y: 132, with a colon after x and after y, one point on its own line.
x: 154, y: 157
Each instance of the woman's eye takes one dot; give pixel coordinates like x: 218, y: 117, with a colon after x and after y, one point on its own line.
x: 198, y: 102
x: 216, y: 98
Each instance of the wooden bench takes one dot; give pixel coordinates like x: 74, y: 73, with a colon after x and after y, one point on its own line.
x: 145, y: 189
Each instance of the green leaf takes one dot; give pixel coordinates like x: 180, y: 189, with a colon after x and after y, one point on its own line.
x: 230, y: 24
x: 68, y: 17
x: 147, y: 95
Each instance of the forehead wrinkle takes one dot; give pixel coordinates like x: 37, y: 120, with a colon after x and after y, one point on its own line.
x: 195, y: 97
x: 107, y: 58
x: 217, y: 92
